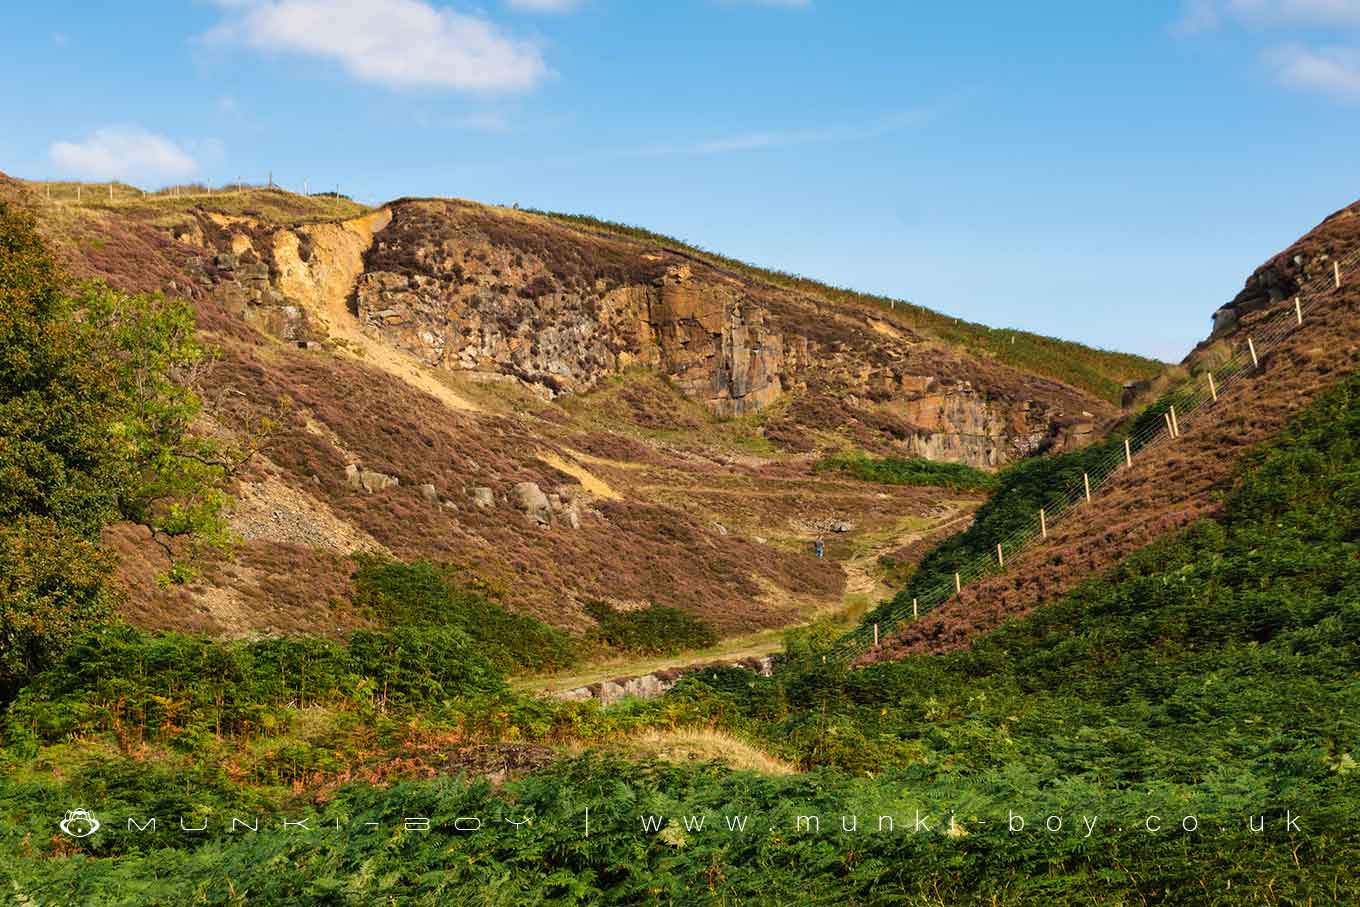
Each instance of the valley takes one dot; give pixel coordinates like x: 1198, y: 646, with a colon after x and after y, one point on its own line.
x: 478, y: 512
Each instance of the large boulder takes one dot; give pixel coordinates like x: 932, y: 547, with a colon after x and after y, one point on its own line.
x: 369, y: 480
x: 530, y: 500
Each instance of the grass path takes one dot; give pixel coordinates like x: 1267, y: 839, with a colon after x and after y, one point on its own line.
x: 862, y: 584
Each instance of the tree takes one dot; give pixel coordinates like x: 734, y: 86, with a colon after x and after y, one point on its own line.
x: 97, y: 403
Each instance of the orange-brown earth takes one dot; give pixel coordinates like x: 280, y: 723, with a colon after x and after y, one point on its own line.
x: 1172, y: 485
x: 569, y: 415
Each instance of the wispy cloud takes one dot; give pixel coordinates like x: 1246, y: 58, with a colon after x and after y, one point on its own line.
x: 488, y: 121
x: 1199, y: 16
x: 397, y: 43
x: 543, y: 6
x: 1334, y: 70
x: 758, y: 140
x: 786, y: 4
x: 1331, y: 70
x: 123, y: 153
x: 762, y: 139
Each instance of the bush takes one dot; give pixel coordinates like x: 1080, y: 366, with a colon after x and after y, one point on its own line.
x: 654, y: 630
x: 912, y: 471
x: 422, y: 594
x: 172, y: 688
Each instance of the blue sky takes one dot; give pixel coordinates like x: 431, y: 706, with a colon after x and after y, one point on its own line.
x: 1104, y: 172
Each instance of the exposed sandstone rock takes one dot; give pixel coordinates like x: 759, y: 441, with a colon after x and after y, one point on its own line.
x: 430, y: 494
x: 460, y: 287
x: 483, y: 498
x: 530, y: 500
x: 369, y: 480
x: 651, y: 686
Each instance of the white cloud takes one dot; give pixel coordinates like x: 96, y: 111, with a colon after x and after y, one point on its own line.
x: 123, y: 153
x: 1306, y: 12
x: 397, y: 43
x: 762, y: 140
x: 543, y: 6
x: 1331, y: 70
x: 1334, y: 70
x: 1198, y: 16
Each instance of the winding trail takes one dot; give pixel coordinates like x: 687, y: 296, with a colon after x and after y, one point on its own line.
x: 862, y: 579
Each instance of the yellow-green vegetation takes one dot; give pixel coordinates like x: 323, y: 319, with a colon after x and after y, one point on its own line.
x: 273, y: 205
x: 1101, y: 372
x: 1203, y: 688
x: 910, y: 471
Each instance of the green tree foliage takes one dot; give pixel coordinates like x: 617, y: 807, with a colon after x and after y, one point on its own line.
x: 910, y: 471
x: 54, y: 583
x: 96, y: 403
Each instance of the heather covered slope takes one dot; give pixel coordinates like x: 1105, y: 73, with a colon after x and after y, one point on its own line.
x: 429, y: 361
x: 1180, y: 729
x: 1173, y: 484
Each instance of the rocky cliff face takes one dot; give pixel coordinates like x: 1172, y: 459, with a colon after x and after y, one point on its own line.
x: 466, y: 288
x: 440, y: 285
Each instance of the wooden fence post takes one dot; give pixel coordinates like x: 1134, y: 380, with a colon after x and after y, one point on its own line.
x: 1000, y: 558
x: 1086, y: 479
x: 1128, y: 453
x: 875, y: 635
x: 915, y: 612
x: 1043, y: 523
x: 1166, y: 417
x: 1175, y: 426
x: 1298, y: 310
x: 958, y: 584
x: 1251, y: 345
x: 1336, y: 272
x: 1213, y: 388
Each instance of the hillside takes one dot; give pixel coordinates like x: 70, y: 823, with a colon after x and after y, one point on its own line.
x: 568, y: 412
x: 1156, y: 707
x: 1171, y: 485
x: 1179, y: 729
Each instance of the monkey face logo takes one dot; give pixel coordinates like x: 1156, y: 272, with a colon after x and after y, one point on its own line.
x: 79, y: 823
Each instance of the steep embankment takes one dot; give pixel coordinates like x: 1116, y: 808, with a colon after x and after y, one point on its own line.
x: 572, y: 415
x: 468, y: 288
x: 1171, y: 485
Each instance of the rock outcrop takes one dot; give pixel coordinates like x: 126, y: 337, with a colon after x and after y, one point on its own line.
x: 369, y: 480
x: 462, y: 287
x: 658, y: 683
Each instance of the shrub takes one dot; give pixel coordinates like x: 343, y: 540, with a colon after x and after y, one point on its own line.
x: 173, y: 688
x: 654, y: 630
x: 422, y: 594
x: 910, y: 471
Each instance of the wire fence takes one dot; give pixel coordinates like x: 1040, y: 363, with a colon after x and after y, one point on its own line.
x: 82, y: 193
x: 1181, y: 409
